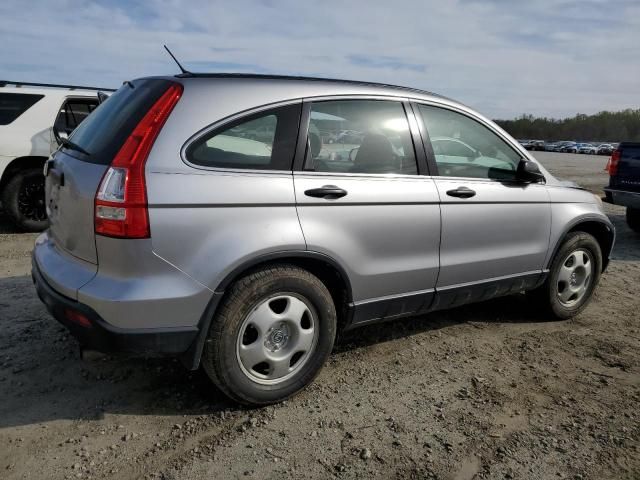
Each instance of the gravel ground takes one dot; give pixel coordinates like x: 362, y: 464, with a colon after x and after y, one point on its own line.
x: 492, y: 390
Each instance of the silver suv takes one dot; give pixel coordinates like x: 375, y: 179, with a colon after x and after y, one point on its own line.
x: 216, y: 217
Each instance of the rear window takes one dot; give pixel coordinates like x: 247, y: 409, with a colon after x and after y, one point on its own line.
x: 105, y: 130
x: 12, y: 105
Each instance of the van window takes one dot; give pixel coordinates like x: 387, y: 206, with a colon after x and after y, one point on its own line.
x: 263, y: 141
x: 12, y: 105
x: 73, y: 112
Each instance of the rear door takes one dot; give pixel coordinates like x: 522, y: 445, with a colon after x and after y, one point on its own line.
x: 361, y: 201
x: 242, y: 188
x: 495, y: 230
x: 74, y: 172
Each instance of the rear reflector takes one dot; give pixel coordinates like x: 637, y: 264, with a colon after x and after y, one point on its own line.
x: 612, y: 166
x: 121, y: 200
x: 77, y: 318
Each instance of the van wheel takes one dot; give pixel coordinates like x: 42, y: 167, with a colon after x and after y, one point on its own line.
x: 633, y: 219
x: 23, y: 200
x: 574, y: 275
x: 271, y: 336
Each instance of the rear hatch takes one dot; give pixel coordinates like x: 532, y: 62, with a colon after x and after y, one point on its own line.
x: 74, y: 172
x: 627, y: 176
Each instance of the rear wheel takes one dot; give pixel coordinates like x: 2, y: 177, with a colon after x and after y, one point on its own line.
x: 633, y: 219
x: 271, y: 336
x: 574, y: 275
x: 23, y: 200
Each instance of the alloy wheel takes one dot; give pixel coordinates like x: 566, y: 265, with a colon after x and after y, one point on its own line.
x: 31, y: 202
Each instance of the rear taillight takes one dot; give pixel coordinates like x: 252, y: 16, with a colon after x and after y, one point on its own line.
x: 612, y: 166
x: 121, y: 200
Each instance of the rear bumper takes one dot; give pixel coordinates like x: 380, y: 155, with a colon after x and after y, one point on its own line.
x: 621, y: 197
x: 96, y: 334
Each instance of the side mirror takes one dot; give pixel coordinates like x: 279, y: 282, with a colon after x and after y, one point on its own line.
x: 529, y: 172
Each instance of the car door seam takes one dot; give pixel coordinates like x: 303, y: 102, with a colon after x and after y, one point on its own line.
x: 295, y: 199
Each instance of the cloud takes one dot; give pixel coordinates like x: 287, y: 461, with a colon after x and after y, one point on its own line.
x: 384, y: 62
x: 548, y: 57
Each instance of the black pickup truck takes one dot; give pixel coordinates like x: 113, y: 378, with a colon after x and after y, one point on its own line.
x: 624, y: 181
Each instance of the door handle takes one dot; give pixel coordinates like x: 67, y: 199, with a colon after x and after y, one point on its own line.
x: 327, y: 191
x: 461, y: 192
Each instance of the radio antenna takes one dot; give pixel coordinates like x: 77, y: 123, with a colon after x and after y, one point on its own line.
x: 184, y: 72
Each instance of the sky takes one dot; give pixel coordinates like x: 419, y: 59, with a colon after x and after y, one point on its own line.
x: 505, y: 58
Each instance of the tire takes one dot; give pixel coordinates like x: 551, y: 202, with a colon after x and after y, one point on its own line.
x: 23, y: 200
x: 633, y: 219
x: 556, y: 295
x: 277, y: 313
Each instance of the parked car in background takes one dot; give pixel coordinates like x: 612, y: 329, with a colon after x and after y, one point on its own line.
x: 537, y: 145
x: 349, y: 137
x: 624, y: 181
x: 605, y: 149
x: 532, y: 144
x: 570, y: 147
x: 587, y: 149
x: 550, y: 146
x: 171, y: 237
x: 34, y: 120
x: 566, y: 147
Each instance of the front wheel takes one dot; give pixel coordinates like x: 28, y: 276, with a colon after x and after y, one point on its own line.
x: 271, y: 336
x: 573, y: 277
x: 23, y: 200
x: 633, y: 219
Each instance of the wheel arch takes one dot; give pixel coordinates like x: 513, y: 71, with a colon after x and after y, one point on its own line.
x: 327, y: 269
x: 19, y: 164
x: 603, y: 231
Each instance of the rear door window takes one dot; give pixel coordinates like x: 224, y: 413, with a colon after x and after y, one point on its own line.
x: 104, y: 132
x: 360, y: 136
x: 12, y: 105
x: 263, y: 141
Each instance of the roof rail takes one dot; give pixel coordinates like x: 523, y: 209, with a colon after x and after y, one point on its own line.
x: 297, y: 77
x: 4, y: 83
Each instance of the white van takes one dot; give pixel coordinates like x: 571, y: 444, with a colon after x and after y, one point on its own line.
x: 34, y: 119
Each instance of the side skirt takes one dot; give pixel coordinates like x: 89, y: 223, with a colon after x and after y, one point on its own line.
x: 457, y: 295
x: 417, y: 303
x: 389, y: 308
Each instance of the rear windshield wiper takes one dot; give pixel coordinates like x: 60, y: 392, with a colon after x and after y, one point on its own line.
x: 72, y: 146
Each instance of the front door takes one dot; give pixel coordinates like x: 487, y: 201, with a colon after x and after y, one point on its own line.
x: 361, y: 201
x: 495, y: 230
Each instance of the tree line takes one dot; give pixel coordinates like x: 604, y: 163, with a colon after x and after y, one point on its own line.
x: 601, y: 127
